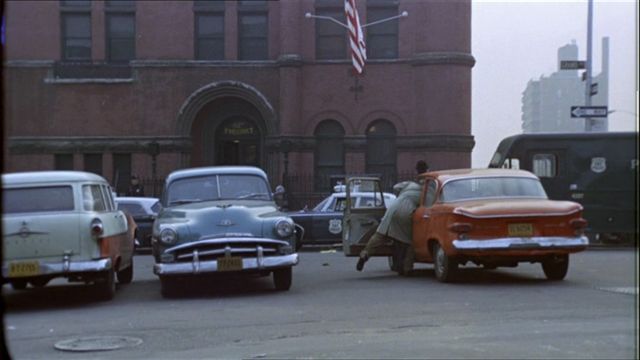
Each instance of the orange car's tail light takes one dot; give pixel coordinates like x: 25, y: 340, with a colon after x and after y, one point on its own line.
x: 460, y: 228
x: 578, y: 224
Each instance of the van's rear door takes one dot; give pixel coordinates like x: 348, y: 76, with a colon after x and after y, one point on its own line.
x: 39, y: 222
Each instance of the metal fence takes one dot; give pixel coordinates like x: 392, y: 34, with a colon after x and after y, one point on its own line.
x: 300, y: 188
x: 152, y: 188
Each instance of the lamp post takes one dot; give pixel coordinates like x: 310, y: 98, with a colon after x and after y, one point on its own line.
x: 587, y: 90
x: 154, y: 150
x: 285, y: 147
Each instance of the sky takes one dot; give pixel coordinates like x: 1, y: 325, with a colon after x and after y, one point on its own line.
x: 517, y: 41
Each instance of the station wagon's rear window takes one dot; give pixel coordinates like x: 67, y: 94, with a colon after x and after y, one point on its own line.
x: 37, y: 199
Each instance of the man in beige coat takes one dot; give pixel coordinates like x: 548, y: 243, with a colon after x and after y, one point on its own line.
x: 397, y: 223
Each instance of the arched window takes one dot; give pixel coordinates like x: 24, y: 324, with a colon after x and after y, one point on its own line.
x: 329, y: 153
x: 381, y: 151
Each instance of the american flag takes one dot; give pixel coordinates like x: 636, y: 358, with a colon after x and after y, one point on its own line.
x: 356, y: 38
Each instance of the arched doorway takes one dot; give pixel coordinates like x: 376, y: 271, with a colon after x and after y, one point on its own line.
x: 227, y: 131
x: 227, y: 123
x: 381, y: 157
x: 329, y: 156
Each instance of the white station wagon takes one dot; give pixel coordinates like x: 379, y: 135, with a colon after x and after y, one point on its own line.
x: 64, y: 224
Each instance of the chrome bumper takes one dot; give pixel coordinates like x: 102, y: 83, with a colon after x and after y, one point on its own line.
x: 66, y: 267
x: 200, y: 267
x: 517, y: 243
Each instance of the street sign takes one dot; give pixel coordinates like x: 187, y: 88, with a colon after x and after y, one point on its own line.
x: 594, y: 89
x: 589, y: 111
x: 572, y: 64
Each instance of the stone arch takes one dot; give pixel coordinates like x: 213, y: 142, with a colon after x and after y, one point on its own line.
x: 316, y: 119
x: 397, y: 121
x: 235, y: 89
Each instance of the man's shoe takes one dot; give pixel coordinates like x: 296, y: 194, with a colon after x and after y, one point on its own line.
x: 360, y: 264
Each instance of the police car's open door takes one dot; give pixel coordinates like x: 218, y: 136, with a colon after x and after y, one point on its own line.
x: 362, y: 214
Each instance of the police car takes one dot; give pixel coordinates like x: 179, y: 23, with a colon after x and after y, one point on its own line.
x: 323, y: 223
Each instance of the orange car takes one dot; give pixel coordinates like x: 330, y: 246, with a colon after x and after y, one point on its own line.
x: 489, y: 217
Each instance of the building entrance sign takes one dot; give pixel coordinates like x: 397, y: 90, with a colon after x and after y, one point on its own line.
x: 238, y: 142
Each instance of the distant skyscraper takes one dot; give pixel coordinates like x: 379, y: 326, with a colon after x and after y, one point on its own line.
x: 546, y: 102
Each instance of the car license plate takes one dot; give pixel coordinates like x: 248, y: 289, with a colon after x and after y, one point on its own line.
x: 520, y: 229
x: 233, y: 263
x: 25, y: 268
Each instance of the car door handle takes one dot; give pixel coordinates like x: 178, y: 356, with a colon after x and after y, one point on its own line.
x: 367, y: 223
x: 425, y: 216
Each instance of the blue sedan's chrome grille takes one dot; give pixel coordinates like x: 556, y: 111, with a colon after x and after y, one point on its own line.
x: 212, y: 249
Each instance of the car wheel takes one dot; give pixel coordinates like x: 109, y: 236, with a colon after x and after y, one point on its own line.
x: 38, y: 283
x: 126, y: 275
x: 445, y: 267
x: 168, y: 287
x: 282, y: 279
x: 106, y: 286
x: 19, y: 284
x: 556, y: 267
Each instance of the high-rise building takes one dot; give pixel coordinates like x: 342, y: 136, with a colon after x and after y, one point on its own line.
x: 547, y: 102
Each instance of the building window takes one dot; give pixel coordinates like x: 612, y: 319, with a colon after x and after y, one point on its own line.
x: 121, y: 172
x: 382, y: 39
x: 331, y: 38
x: 125, y: 4
x: 253, y: 30
x: 544, y: 165
x: 121, y: 39
x: 76, y: 35
x: 93, y: 163
x: 63, y: 162
x: 209, y: 36
x: 381, y: 152
x: 329, y: 154
x: 75, y: 3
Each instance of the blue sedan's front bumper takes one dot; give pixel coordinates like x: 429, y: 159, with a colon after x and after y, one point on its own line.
x: 199, y: 267
x: 205, y: 256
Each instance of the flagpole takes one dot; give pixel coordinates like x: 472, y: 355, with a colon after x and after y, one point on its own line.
x: 403, y: 14
x: 312, y: 16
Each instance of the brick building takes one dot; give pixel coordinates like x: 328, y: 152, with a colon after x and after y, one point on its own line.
x: 146, y: 87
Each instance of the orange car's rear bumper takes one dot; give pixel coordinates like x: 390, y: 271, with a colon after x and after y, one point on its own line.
x: 522, y: 243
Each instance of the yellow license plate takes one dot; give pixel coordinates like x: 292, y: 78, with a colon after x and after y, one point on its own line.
x: 520, y: 230
x: 229, y: 263
x: 25, y: 268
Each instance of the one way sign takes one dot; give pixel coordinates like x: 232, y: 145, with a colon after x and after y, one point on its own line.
x: 589, y: 111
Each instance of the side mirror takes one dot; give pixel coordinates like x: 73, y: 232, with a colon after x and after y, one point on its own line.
x: 280, y: 198
x: 279, y: 190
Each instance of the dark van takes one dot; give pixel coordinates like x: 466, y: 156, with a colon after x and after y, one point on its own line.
x: 598, y: 170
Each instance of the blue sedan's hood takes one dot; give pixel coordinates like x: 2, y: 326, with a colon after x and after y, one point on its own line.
x: 223, y: 218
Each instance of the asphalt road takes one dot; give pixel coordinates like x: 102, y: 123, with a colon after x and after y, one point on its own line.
x: 332, y: 311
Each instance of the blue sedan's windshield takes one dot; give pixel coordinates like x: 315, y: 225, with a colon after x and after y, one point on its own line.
x: 492, y: 187
x: 217, y: 187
